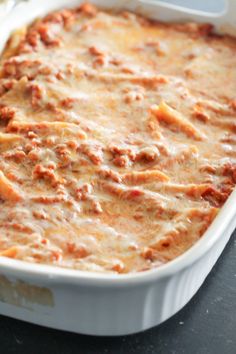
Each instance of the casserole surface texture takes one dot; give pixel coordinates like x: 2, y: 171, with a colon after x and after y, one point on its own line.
x: 117, y: 139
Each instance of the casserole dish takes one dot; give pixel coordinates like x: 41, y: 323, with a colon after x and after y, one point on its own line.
x: 110, y: 304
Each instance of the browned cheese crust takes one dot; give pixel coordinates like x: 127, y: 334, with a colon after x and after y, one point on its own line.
x: 117, y: 139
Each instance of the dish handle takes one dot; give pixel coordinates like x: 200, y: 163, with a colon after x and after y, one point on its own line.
x: 7, y: 5
x: 172, y: 12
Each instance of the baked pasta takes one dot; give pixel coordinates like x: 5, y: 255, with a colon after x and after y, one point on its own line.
x: 117, y: 139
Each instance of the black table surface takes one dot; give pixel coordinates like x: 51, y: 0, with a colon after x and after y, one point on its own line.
x: 206, y: 325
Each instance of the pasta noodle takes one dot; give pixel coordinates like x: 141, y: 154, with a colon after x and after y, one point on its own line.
x: 166, y: 114
x: 7, y: 191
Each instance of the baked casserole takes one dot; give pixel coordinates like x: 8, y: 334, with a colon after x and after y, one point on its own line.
x: 117, y: 139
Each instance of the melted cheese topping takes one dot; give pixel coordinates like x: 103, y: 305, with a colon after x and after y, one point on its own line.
x: 117, y: 139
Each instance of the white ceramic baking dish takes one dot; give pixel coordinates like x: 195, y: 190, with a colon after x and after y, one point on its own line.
x: 105, y: 304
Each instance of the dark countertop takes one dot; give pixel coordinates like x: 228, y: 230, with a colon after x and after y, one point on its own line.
x: 206, y: 325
